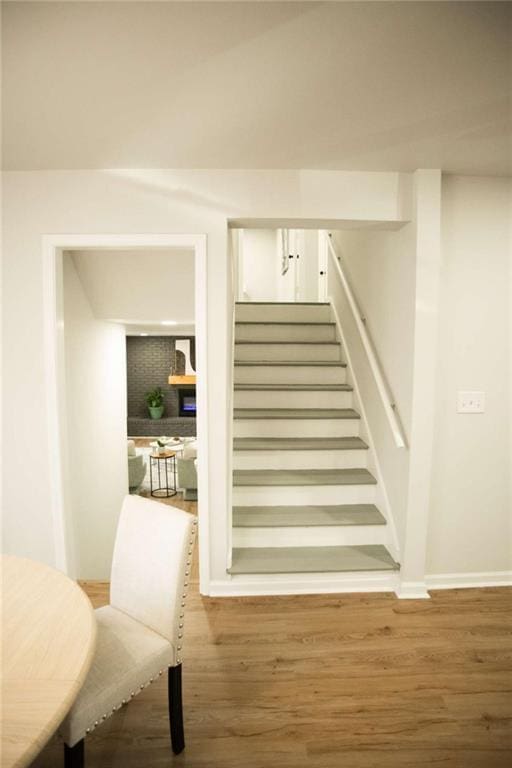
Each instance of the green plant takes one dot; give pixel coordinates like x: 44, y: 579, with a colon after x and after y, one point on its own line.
x: 155, y: 397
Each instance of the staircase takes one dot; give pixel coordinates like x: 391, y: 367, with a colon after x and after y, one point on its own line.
x: 304, y: 497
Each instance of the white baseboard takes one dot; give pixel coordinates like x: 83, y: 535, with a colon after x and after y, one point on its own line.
x: 412, y: 590
x: 455, y: 580
x: 327, y: 583
x: 298, y: 584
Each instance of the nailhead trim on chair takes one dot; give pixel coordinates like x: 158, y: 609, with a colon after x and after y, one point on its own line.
x: 185, y: 585
x: 178, y: 647
x: 123, y: 702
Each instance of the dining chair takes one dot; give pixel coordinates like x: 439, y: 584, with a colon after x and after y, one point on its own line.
x: 140, y: 634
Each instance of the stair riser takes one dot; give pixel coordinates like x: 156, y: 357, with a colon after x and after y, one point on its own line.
x: 310, y: 536
x: 296, y: 427
x: 291, y: 399
x: 295, y: 353
x: 300, y: 459
x: 266, y: 495
x: 289, y: 374
x: 291, y: 332
x: 283, y: 313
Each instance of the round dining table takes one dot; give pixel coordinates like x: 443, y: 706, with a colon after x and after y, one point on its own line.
x: 48, y: 640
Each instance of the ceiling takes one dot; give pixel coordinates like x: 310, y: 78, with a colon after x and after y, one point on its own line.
x: 140, y: 288
x: 350, y: 86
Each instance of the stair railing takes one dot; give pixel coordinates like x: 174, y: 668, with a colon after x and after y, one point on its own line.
x: 388, y: 402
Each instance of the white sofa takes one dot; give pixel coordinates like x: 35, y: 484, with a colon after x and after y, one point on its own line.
x: 187, y: 472
x: 136, y: 468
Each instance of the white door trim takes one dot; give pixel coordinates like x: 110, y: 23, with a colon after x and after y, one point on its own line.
x: 323, y: 266
x: 53, y: 247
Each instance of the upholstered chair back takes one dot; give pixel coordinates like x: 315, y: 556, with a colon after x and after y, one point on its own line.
x: 151, y: 564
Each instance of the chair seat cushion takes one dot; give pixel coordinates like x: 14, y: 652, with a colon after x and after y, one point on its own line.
x: 127, y: 656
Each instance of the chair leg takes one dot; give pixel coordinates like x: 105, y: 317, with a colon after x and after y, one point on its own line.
x: 175, y: 709
x: 74, y: 756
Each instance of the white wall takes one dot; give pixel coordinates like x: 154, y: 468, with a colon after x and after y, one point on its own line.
x: 260, y: 265
x: 308, y: 267
x: 470, y: 506
x: 470, y: 523
x: 300, y: 281
x: 472, y: 332
x: 381, y: 269
x: 380, y: 266
x: 96, y: 464
x: 137, y: 285
x: 92, y: 202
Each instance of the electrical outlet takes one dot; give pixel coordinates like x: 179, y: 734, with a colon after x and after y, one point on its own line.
x: 471, y: 402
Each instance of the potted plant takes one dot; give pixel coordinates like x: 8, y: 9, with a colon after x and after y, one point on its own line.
x: 162, y: 444
x: 155, y: 402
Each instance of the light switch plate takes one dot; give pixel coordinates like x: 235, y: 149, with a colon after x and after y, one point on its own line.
x: 470, y: 402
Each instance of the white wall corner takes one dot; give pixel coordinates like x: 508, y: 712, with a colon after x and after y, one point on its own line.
x: 412, y: 590
x: 427, y: 222
x: 405, y: 196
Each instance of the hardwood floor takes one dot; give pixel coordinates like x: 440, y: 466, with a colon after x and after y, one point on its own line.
x: 351, y: 681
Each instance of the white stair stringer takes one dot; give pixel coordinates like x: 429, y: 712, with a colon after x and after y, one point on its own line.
x: 297, y: 446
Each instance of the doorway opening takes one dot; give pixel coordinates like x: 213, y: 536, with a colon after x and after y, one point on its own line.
x: 101, y: 295
x: 280, y: 265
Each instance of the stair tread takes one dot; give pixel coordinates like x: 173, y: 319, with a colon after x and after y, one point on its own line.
x: 288, y: 341
x: 370, y: 557
x: 298, y: 444
x: 295, y: 413
x: 287, y: 517
x: 302, y: 363
x: 295, y: 387
x: 272, y: 477
x: 285, y: 322
x: 284, y: 303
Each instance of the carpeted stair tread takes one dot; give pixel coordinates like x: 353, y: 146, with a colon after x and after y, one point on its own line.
x: 295, y: 413
x: 285, y: 322
x: 298, y: 444
x: 294, y: 477
x: 301, y: 363
x: 295, y: 387
x: 287, y: 517
x: 370, y: 557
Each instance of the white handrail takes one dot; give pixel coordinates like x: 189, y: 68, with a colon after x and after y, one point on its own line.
x: 375, y: 366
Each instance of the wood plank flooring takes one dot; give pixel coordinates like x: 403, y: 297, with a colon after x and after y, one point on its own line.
x: 350, y: 681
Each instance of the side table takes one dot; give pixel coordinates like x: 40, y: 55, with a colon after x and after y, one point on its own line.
x: 162, y: 468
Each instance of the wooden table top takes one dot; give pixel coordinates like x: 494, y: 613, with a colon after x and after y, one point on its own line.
x: 48, y: 640
x: 165, y: 455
